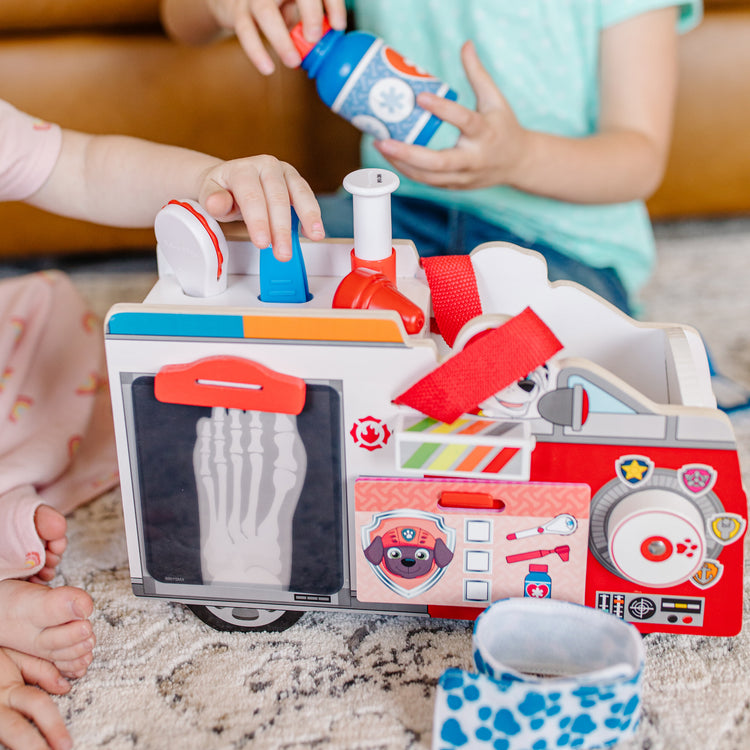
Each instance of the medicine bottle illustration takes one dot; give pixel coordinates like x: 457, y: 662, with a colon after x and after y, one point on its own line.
x: 368, y: 83
x: 537, y: 584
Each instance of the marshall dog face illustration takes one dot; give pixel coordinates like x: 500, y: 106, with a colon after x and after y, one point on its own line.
x: 520, y: 399
x: 408, y: 552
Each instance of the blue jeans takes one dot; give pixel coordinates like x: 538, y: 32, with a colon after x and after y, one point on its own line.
x: 437, y: 230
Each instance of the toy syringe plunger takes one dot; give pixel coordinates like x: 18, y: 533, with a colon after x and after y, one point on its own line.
x: 371, y: 190
x: 563, y: 524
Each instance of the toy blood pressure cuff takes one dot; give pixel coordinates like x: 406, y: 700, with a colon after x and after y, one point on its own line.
x: 549, y: 674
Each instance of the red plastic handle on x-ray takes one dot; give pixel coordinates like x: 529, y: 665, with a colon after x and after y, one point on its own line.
x: 231, y: 382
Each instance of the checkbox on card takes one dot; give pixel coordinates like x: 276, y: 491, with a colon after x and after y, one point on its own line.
x: 477, y: 561
x: 478, y: 531
x: 476, y: 591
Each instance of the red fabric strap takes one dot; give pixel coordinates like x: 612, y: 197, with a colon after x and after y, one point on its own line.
x: 485, y: 366
x: 453, y: 287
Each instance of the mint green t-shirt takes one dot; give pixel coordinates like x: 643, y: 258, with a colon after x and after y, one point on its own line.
x: 544, y: 56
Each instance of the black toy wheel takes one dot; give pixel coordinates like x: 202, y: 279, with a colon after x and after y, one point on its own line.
x: 245, y: 619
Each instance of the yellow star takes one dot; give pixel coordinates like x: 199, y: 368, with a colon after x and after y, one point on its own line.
x: 634, y: 470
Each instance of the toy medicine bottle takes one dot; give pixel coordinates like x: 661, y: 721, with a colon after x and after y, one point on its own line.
x: 374, y: 87
x: 537, y: 584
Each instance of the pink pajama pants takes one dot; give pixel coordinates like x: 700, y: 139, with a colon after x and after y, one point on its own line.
x: 56, y: 435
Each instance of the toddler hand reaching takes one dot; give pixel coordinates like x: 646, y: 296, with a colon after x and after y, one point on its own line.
x: 124, y: 181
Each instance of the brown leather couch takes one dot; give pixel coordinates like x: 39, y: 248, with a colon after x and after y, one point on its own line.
x: 107, y: 67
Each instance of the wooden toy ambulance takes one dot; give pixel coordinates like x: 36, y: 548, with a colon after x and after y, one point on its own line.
x: 299, y: 436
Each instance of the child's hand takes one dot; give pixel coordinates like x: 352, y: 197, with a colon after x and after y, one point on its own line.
x: 29, y: 719
x: 272, y: 18
x: 490, y: 149
x: 261, y: 190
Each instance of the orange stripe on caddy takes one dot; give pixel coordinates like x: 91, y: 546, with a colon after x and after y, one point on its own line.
x: 321, y: 329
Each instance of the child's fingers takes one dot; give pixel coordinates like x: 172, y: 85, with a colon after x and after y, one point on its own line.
x: 37, y: 671
x: 262, y: 190
x: 446, y: 109
x: 252, y: 44
x: 311, y: 15
x: 487, y: 92
x: 17, y: 734
x: 423, y: 163
x: 271, y: 22
x: 251, y: 186
x: 220, y: 203
x: 464, y: 119
x: 305, y: 204
x: 439, y: 170
x: 418, y: 157
x: 336, y: 12
x: 278, y: 204
x: 38, y: 707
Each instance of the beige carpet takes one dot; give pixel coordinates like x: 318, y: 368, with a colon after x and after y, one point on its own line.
x: 162, y: 679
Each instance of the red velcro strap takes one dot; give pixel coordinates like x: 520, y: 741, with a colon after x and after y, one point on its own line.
x: 453, y: 287
x: 485, y: 366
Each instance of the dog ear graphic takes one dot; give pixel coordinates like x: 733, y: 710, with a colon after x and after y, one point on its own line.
x: 374, y: 552
x: 443, y: 555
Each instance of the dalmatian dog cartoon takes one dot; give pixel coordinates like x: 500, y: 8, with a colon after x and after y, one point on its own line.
x: 408, y: 552
x: 520, y: 400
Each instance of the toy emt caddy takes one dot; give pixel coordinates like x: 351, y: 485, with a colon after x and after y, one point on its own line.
x: 296, y: 436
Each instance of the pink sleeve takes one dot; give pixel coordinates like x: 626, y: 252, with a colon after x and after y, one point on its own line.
x: 21, y: 552
x: 28, y: 151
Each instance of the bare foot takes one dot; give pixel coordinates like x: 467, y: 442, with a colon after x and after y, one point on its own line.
x: 20, y: 701
x: 51, y: 527
x: 51, y: 623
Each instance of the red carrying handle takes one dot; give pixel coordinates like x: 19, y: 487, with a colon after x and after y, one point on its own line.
x: 486, y: 365
x: 231, y: 382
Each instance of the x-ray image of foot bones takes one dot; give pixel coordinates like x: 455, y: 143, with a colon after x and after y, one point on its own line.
x: 249, y: 469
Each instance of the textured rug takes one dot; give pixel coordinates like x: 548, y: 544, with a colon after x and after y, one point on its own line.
x: 163, y: 679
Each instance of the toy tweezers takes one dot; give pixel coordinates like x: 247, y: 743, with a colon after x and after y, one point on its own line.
x: 284, y: 281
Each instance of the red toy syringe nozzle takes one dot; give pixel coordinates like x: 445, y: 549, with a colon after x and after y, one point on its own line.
x: 365, y: 289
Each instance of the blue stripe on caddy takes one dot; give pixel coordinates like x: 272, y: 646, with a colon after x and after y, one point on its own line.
x: 176, y: 324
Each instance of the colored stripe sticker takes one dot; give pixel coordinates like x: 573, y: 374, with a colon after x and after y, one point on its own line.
x: 502, y: 458
x: 448, y: 429
x: 475, y: 427
x: 447, y: 457
x: 422, y: 425
x: 471, y: 461
x: 421, y: 455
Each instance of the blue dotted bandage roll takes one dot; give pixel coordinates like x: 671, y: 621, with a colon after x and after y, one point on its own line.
x: 550, y: 674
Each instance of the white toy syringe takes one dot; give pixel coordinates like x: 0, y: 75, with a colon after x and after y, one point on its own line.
x: 373, y: 245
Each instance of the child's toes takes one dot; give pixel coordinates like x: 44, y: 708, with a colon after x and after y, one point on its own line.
x: 51, y: 608
x: 39, y: 620
x: 74, y: 638
x: 50, y: 524
x: 72, y: 669
x: 71, y: 653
